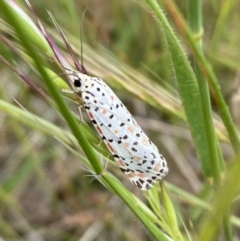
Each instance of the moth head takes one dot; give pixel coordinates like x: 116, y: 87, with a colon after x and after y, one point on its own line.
x: 79, y: 81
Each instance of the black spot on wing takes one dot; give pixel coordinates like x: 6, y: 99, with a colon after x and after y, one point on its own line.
x: 139, y: 185
x: 88, y: 92
x: 141, y: 181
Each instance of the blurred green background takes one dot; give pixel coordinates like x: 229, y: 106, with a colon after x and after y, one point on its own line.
x: 45, y: 193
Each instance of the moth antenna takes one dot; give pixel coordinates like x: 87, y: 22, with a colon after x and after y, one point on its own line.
x: 84, y: 71
x: 64, y: 38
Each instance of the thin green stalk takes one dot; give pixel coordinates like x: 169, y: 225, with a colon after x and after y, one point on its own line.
x: 187, y: 88
x: 221, y: 104
x: 227, y: 226
x: 195, y: 22
x: 225, y: 11
x: 225, y: 195
x: 152, y: 228
x: 210, y: 77
x: 10, y: 14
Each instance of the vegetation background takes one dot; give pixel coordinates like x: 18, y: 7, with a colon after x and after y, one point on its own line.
x: 46, y: 192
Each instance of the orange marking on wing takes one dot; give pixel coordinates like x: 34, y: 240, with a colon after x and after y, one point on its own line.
x: 99, y: 129
x: 90, y: 114
x: 145, y: 141
x: 157, y: 167
x: 112, y: 97
x: 104, y: 112
x: 130, y: 129
x: 141, y: 175
x: 131, y: 174
x: 110, y: 148
x: 116, y: 131
x: 126, y: 144
x: 121, y: 163
x: 137, y: 158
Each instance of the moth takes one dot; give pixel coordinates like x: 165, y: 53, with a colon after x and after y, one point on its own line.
x: 133, y: 151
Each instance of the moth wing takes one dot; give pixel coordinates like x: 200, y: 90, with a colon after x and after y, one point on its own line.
x: 135, y: 154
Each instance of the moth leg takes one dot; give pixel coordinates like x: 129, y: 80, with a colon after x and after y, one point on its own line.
x: 68, y: 91
x: 80, y: 114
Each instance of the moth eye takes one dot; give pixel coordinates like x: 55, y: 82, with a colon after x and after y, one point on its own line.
x: 77, y: 83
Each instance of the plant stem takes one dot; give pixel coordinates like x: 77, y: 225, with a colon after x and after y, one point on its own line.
x: 195, y: 23
x: 210, y: 77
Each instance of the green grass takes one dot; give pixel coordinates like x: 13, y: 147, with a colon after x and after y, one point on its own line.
x: 47, y: 153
